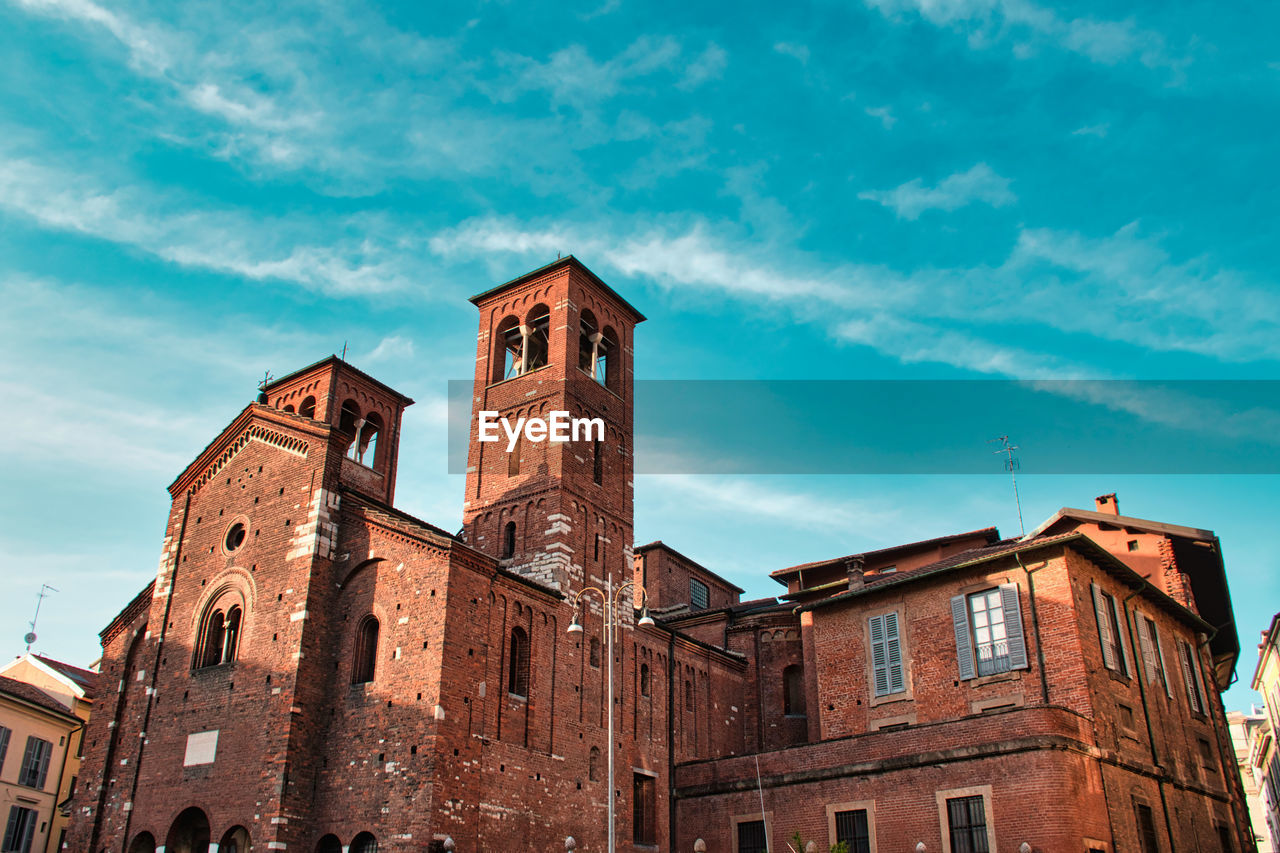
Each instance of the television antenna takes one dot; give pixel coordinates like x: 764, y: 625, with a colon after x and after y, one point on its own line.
x: 1011, y: 465
x: 30, y: 638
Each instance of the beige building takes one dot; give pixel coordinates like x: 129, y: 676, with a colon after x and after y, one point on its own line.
x: 44, y: 705
x: 1251, y: 739
x: 1264, y: 756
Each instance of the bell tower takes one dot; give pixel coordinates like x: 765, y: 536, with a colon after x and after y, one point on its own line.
x: 557, y: 339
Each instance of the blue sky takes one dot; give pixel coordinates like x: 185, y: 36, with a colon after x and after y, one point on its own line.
x: 192, y: 194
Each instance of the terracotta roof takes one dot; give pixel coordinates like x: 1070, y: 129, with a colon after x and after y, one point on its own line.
x: 975, y: 556
x: 1122, y: 521
x: 567, y: 260
x: 86, y: 678
x: 33, y: 696
x: 990, y: 533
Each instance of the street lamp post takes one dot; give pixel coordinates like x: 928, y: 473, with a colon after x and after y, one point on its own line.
x: 610, y: 597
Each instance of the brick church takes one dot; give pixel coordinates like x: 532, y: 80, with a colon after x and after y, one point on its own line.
x: 315, y: 670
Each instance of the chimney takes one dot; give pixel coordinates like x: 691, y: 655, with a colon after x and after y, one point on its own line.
x: 1108, y: 504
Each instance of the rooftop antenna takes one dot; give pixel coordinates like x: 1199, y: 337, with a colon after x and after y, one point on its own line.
x: 344, y: 350
x: 31, y: 635
x: 1012, y: 465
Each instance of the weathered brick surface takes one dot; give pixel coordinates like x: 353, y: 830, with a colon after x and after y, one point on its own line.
x: 437, y: 744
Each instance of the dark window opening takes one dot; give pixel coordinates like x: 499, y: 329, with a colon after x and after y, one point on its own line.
x: 594, y: 656
x: 793, y: 691
x: 307, y: 408
x: 20, y: 829
x: 1132, y: 544
x: 597, y: 461
x: 593, y: 765
x: 967, y: 825
x: 518, y: 665
x: 1224, y: 839
x: 235, y: 537
x: 363, y: 843
x: 509, y: 540
x: 1147, y: 839
x: 366, y: 651
x: 852, y: 829
x: 221, y: 637
x: 688, y: 695
x: 348, y: 416
x: 513, y: 458
x: 645, y: 686
x: 699, y: 594
x: 538, y: 339
x: 751, y: 838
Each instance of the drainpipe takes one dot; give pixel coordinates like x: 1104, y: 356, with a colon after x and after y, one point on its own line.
x: 671, y: 744
x: 1227, y: 761
x: 1035, y: 625
x: 1140, y: 677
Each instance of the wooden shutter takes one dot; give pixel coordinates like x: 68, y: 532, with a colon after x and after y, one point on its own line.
x: 11, y: 828
x: 1014, y: 634
x: 964, y: 646
x: 1145, y: 647
x: 1103, y: 619
x: 1188, y: 676
x: 1164, y: 664
x: 893, y: 652
x: 879, y: 656
x: 1122, y: 644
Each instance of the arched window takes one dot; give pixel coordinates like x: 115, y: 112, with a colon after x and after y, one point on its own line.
x: 235, y: 840
x: 688, y: 695
x: 288, y: 407
x: 594, y: 656
x: 593, y: 765
x: 509, y: 540
x: 508, y: 352
x: 366, y: 651
x: 518, y: 665
x: 348, y: 416
x: 793, y: 691
x: 329, y: 844
x: 363, y: 843
x: 365, y: 448
x: 307, y: 408
x: 143, y: 842
x: 219, y: 638
x: 606, y: 372
x: 645, y: 687
x: 538, y: 337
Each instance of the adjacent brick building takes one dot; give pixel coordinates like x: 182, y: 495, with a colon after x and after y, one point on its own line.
x: 315, y: 670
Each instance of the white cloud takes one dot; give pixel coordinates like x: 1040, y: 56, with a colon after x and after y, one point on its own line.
x: 393, y: 347
x: 978, y: 184
x: 1098, y: 130
x: 884, y: 114
x: 798, y: 52
x: 985, y: 21
x: 225, y: 240
x: 709, y: 65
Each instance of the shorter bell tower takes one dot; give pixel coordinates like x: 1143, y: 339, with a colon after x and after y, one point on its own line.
x: 557, y: 339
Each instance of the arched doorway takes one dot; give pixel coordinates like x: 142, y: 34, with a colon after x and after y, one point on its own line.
x: 143, y: 842
x: 235, y: 840
x: 189, y: 833
x: 329, y: 844
x: 363, y: 843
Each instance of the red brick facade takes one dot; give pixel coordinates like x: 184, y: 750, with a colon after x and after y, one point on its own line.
x: 315, y: 670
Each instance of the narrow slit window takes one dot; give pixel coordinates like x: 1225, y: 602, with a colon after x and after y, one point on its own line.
x: 366, y: 651
x: 518, y: 669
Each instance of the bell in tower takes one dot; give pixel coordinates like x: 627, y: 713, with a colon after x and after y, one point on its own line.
x: 555, y: 340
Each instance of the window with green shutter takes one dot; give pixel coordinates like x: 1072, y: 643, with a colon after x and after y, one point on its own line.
x: 886, y: 655
x: 35, y: 763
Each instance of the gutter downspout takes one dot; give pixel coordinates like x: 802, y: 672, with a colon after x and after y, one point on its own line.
x: 1035, y: 625
x: 671, y: 743
x: 1140, y: 677
x: 1228, y: 763
x: 62, y: 773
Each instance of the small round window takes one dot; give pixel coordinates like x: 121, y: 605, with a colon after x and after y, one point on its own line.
x: 236, y: 534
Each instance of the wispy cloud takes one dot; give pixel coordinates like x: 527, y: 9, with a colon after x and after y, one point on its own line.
x: 884, y: 114
x: 986, y: 21
x: 1098, y: 130
x: 798, y: 52
x: 979, y: 184
x: 221, y: 239
x: 393, y: 347
x: 709, y: 65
